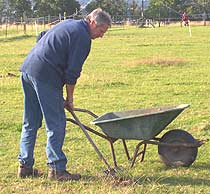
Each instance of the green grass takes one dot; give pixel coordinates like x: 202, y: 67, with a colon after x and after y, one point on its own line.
x: 129, y: 68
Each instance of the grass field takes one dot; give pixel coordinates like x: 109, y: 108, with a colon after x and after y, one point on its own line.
x: 129, y: 68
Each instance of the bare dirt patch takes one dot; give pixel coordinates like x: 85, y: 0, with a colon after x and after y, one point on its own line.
x: 154, y: 61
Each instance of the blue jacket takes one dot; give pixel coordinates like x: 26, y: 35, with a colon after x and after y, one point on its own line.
x: 58, y: 56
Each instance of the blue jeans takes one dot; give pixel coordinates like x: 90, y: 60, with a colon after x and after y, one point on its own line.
x: 41, y: 100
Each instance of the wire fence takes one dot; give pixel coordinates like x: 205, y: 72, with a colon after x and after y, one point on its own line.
x: 11, y: 26
x: 27, y: 26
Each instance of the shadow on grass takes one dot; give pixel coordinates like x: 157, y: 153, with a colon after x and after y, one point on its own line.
x: 148, y: 180
x: 89, y: 178
x: 204, y: 166
x: 143, y: 180
x: 16, y: 38
x: 174, y: 181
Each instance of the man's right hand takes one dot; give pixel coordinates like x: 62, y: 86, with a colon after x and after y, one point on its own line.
x: 68, y: 104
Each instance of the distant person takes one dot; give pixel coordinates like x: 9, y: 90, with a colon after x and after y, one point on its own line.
x: 56, y: 60
x: 185, y: 20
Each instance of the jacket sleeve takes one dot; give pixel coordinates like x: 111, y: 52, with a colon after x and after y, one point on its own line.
x: 78, y: 53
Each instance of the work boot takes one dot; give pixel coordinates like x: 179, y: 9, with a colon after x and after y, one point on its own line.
x: 24, y: 172
x: 53, y: 174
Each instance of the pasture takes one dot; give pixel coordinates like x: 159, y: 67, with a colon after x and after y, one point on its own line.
x: 129, y: 68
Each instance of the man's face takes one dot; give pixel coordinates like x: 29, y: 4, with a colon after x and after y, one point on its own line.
x: 97, y: 31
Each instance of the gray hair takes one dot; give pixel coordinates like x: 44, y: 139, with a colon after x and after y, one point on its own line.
x: 101, y: 17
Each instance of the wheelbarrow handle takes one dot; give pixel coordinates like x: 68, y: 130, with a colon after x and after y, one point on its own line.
x: 86, y: 111
x: 82, y: 110
x: 91, y: 141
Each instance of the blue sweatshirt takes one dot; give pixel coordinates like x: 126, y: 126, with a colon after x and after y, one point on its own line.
x: 58, y: 56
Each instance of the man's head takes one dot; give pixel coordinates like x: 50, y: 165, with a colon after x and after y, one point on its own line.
x: 99, y: 21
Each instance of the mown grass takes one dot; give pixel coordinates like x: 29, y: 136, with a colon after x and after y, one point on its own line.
x: 129, y: 68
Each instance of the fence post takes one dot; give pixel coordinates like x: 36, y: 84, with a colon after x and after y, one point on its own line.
x: 49, y: 19
x: 24, y: 23
x: 204, y: 18
x: 24, y: 28
x: 17, y: 27
x: 44, y: 22
x: 159, y: 21
x: 36, y: 27
x: 6, y: 27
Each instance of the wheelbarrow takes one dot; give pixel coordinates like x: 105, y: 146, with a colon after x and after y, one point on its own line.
x: 175, y: 148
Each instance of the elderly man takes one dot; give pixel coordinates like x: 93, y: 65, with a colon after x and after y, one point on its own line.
x: 56, y: 60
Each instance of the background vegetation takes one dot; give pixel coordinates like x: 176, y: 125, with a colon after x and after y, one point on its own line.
x: 129, y: 68
x: 153, y: 9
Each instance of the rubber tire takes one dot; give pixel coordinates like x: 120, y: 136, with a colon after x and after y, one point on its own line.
x: 179, y: 156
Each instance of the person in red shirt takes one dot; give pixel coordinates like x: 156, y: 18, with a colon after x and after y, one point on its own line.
x: 185, y: 19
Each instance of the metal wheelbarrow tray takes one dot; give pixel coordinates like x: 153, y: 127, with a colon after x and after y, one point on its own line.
x: 141, y: 124
x: 176, y: 147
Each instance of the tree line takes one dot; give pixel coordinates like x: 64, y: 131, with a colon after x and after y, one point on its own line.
x: 37, y: 8
x: 173, y: 8
x: 129, y: 8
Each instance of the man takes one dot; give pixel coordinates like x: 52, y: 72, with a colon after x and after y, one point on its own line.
x: 56, y: 60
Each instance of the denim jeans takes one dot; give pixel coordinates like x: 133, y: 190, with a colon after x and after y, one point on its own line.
x: 42, y: 100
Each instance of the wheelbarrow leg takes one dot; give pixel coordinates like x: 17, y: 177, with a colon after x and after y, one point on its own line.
x: 111, y: 171
x: 113, y: 153
x: 143, y: 152
x: 137, y: 153
x: 126, y: 149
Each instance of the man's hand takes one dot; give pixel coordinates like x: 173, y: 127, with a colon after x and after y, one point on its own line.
x: 68, y: 104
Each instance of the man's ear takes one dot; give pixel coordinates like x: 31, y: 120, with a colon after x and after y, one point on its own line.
x: 93, y: 22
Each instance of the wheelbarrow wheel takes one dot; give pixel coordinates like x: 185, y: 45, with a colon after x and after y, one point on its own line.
x: 177, y: 156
